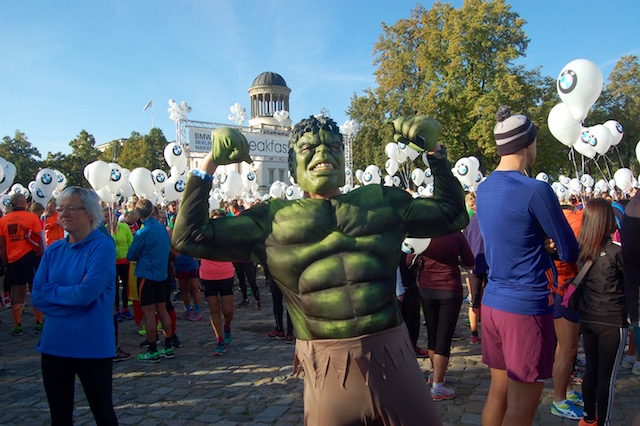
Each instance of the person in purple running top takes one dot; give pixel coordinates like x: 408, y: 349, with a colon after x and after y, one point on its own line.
x: 517, y: 215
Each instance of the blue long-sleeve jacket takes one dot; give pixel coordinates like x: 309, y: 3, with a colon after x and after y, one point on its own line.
x: 150, y: 249
x: 75, y: 288
x: 515, y: 214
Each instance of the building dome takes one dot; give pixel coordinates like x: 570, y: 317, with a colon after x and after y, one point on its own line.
x: 269, y: 79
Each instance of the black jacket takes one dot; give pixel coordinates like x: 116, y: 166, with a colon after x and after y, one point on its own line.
x: 630, y: 233
x: 603, y: 300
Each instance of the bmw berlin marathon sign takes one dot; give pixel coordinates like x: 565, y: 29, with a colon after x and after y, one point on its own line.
x: 261, y: 145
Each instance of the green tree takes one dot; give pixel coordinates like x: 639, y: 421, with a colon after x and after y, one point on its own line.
x: 620, y: 101
x: 83, y: 152
x: 26, y: 157
x: 457, y: 65
x: 113, y: 151
x: 144, y: 151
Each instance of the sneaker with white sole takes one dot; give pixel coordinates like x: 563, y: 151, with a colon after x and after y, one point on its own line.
x: 636, y: 368
x: 220, y: 349
x: 442, y: 394
x: 149, y: 357
x: 628, y: 361
x: 576, y: 398
x: 566, y: 409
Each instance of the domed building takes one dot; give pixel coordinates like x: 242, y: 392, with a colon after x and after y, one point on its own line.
x: 269, y: 93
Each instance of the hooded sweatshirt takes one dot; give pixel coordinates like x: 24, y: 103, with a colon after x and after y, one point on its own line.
x: 75, y: 287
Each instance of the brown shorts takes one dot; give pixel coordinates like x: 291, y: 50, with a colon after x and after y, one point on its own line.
x: 370, y: 379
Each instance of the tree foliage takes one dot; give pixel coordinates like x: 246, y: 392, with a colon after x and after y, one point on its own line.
x: 144, y: 151
x: 83, y: 152
x: 23, y: 155
x: 457, y: 65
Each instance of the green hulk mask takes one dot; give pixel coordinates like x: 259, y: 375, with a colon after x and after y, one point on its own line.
x: 316, y: 155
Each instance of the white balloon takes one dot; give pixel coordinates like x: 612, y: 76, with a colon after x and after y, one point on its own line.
x: 602, y: 137
x: 601, y: 186
x: 391, y: 166
x: 624, y: 179
x: 575, y: 186
x: 106, y: 194
x: 391, y: 149
x: 415, y: 245
x: 142, y: 182
x: 402, y: 156
x: 39, y: 196
x: 542, y: 176
x: 562, y: 125
x: 31, y: 185
x: 293, y: 192
x: 396, y: 181
x: 276, y: 190
x: 579, y: 86
x: 466, y: 171
x: 411, y: 153
x: 19, y: 189
x: 231, y: 183
x: 175, y: 156
x: 5, y: 201
x: 638, y: 151
x: 564, y: 180
x: 371, y: 175
x: 159, y: 179
x: 562, y: 193
x: 62, y: 180
x: 417, y: 176
x: 616, y: 131
x: 584, y: 144
x: 586, y: 180
x: 359, y: 175
x: 428, y: 176
x: 250, y: 181
x: 97, y: 174
x: 115, y: 180
x: 46, y: 180
x: 9, y: 174
x: 174, y: 187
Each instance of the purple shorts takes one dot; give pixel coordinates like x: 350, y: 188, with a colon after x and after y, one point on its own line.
x: 523, y: 345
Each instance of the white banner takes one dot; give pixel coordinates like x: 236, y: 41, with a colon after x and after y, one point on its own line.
x: 262, y: 145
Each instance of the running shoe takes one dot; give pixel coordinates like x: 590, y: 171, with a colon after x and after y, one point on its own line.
x: 126, y: 314
x: 276, y: 334
x: 566, y: 409
x: 244, y: 303
x: 456, y: 337
x: 143, y: 331
x: 576, y: 398
x: 149, y: 357
x: 290, y: 338
x: 430, y: 379
x: 121, y: 355
x: 442, y: 394
x: 167, y: 353
x: 17, y: 330
x: 227, y: 337
x: 636, y: 368
x: 421, y: 353
x: 185, y: 315
x: 576, y: 377
x: 118, y: 316
x: 175, y: 342
x: 583, y: 422
x: 628, y: 361
x: 195, y: 316
x: 6, y: 300
x: 38, y: 328
x: 219, y: 349
x: 474, y: 340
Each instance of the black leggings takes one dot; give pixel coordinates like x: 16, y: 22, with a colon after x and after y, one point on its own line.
x: 278, y: 309
x: 246, y: 271
x: 603, y: 347
x: 476, y: 286
x: 410, y: 308
x: 122, y: 274
x: 441, y: 316
x: 59, y: 376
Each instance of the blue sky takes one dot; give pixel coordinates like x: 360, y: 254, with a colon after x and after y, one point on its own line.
x: 72, y: 65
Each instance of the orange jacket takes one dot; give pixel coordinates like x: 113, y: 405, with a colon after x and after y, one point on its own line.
x: 52, y: 229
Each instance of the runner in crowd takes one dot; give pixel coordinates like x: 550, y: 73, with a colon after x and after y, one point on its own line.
x: 75, y: 287
x: 517, y: 306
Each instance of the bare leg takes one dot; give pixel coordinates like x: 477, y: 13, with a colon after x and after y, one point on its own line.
x: 214, y: 315
x: 194, y: 287
x: 567, y: 334
x: 149, y: 312
x: 184, y: 291
x: 440, y: 364
x: 496, y: 405
x: 522, y: 402
x: 227, y: 308
x: 165, y: 320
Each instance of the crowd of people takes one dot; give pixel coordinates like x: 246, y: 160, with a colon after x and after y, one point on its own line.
x: 92, y: 266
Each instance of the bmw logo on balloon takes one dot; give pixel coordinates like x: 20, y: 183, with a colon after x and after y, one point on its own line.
x: 567, y: 81
x: 462, y: 169
x: 177, y: 151
x: 46, y: 178
x: 179, y: 186
x: 251, y: 176
x: 115, y: 175
x: 39, y: 193
x: 367, y: 177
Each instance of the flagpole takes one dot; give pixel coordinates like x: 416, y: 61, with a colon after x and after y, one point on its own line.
x: 152, y: 113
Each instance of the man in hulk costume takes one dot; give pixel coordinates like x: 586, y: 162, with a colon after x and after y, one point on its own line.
x: 334, y: 257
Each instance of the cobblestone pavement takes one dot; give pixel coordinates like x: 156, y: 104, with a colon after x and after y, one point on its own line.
x: 251, y: 384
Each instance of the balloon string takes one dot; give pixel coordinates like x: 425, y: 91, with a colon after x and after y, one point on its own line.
x: 601, y: 172
x: 606, y: 163
x: 572, y: 156
x: 619, y: 156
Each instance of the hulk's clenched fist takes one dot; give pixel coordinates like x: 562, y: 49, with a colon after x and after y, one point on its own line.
x: 419, y: 132
x: 229, y: 146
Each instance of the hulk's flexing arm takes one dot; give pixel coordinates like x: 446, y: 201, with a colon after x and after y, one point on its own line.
x: 333, y: 255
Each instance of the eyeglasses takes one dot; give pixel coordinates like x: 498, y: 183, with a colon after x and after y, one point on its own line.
x: 69, y: 209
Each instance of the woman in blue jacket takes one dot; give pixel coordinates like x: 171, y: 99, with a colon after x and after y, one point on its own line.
x: 75, y: 287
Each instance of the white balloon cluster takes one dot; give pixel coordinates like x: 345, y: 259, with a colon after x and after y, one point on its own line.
x: 47, y: 184
x: 579, y: 86
x: 467, y: 170
x: 230, y: 184
x: 238, y: 113
x: 178, y: 111
x: 566, y: 187
x: 280, y: 115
